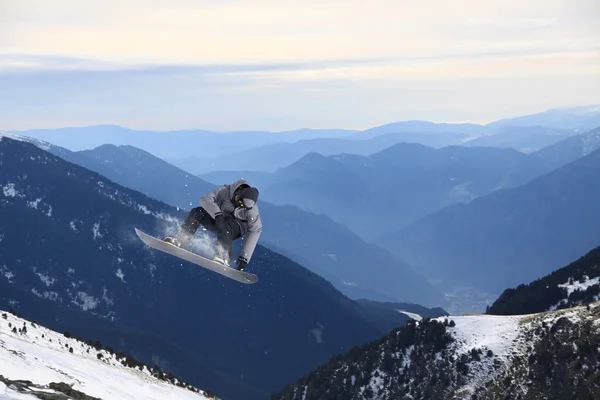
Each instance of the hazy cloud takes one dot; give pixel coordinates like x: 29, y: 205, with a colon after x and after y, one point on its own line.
x: 285, y: 64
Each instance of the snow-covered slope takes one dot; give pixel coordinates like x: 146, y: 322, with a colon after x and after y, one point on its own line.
x: 510, y: 340
x: 29, y: 352
x: 579, y: 287
x: 39, y: 143
x: 469, y: 357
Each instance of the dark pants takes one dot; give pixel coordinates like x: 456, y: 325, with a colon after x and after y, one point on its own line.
x: 199, y: 216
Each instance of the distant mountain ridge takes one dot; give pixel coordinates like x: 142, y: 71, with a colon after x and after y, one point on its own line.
x: 183, y: 147
x: 270, y: 157
x: 510, y: 236
x: 426, y: 127
x: 172, y: 144
x: 572, y: 148
x: 524, y: 139
x: 379, y: 194
x: 582, y: 117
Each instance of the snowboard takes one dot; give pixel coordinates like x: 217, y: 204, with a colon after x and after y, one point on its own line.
x: 232, y: 273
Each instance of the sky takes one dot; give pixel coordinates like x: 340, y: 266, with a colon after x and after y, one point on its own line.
x: 278, y: 65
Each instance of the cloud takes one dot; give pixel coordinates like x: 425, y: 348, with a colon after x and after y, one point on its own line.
x: 238, y: 64
x: 198, y: 32
x: 501, y: 54
x: 513, y: 23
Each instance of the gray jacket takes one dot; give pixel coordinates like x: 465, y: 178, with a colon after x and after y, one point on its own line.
x: 221, y: 200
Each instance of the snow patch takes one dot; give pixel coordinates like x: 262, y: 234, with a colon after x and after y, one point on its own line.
x: 120, y: 274
x: 34, y: 204
x: 143, y: 209
x: 39, y: 143
x: 580, y: 285
x: 414, y: 316
x: 12, y: 136
x: 500, y: 334
x: 7, y: 274
x: 96, y: 231
x: 49, y: 281
x: 87, y: 302
x: 493, y: 332
x: 72, y: 225
x: 572, y: 285
x: 9, y: 190
x: 318, y: 333
x: 50, y: 296
x: 105, y: 297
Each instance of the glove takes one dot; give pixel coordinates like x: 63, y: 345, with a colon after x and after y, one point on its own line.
x: 241, y: 263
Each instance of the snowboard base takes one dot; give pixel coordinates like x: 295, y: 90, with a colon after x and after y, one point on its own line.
x: 232, y: 273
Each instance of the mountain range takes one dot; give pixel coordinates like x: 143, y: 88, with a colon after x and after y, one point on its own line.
x: 482, y: 219
x: 510, y: 236
x: 173, y: 144
x: 382, y: 193
x: 524, y: 139
x: 270, y: 157
x: 195, y: 150
x: 409, y: 243
x: 69, y: 259
x: 487, y: 212
x: 358, y: 269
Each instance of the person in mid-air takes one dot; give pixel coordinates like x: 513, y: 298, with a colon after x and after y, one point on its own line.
x: 230, y: 212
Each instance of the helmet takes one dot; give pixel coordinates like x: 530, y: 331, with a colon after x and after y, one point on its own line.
x: 247, y: 197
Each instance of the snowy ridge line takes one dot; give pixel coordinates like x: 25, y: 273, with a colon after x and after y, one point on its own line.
x: 507, y: 337
x: 39, y: 143
x: 104, y: 186
x: 30, y: 352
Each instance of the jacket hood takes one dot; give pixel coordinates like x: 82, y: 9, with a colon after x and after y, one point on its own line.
x: 235, y: 185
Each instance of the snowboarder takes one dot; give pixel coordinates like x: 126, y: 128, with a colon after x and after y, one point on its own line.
x: 230, y: 212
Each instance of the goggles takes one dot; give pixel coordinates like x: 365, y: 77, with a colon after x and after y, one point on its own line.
x: 245, y: 203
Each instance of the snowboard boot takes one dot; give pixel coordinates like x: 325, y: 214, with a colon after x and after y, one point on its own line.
x: 221, y: 260
x: 173, y: 240
x: 181, y: 239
